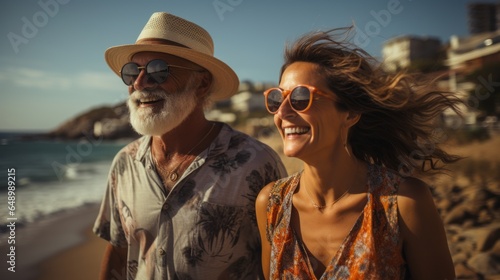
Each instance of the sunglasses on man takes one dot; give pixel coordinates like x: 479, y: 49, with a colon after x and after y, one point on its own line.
x: 300, y: 98
x: 157, y: 71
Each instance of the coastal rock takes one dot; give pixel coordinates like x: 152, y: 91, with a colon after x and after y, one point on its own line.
x: 465, y: 272
x: 484, y: 238
x: 103, y: 122
x: 459, y: 215
x: 486, y: 264
x: 469, y: 205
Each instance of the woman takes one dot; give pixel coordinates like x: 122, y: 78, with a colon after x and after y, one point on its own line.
x: 353, y: 212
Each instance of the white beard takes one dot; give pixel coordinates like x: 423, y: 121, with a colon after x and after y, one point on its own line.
x: 176, y: 108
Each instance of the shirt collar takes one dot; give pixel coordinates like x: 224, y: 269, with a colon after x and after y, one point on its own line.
x: 219, y: 145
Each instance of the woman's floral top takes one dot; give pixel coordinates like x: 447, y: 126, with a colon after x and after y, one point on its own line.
x: 372, y: 250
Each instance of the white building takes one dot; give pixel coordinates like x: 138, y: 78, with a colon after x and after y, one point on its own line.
x: 400, y: 52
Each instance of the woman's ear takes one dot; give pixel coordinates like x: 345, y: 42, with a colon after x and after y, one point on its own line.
x: 352, y: 118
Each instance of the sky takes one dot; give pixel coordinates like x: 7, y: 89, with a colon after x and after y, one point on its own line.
x: 52, y: 64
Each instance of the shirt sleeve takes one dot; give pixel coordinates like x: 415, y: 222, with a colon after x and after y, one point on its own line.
x: 108, y: 224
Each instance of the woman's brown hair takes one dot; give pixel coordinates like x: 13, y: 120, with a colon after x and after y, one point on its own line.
x: 399, y: 112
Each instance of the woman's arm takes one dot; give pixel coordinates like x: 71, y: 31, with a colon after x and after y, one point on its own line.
x: 425, y: 246
x: 261, y: 213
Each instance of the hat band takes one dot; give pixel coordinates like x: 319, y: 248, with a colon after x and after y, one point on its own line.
x: 158, y: 41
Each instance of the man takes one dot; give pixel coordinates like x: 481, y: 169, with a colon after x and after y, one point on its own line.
x: 180, y: 200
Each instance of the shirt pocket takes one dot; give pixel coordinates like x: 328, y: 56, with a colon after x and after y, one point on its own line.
x: 216, y: 238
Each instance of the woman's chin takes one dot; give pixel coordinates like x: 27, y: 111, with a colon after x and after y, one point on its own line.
x: 295, y: 153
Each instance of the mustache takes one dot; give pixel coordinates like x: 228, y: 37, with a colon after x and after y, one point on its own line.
x: 140, y: 94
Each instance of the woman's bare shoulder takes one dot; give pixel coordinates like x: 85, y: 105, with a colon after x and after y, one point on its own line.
x: 414, y: 188
x: 415, y: 200
x: 263, y: 196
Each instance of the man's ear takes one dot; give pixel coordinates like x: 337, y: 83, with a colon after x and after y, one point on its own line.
x: 205, y: 84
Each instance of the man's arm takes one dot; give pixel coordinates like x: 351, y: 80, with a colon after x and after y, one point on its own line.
x: 114, y: 263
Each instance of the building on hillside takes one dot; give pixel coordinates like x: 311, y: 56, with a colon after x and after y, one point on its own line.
x: 468, y: 54
x: 400, y: 52
x: 247, y: 101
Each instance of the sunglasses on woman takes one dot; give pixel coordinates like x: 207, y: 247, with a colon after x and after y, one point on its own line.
x: 157, y: 71
x: 300, y: 99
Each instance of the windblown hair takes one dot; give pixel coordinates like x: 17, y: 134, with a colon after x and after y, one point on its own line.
x: 399, y: 112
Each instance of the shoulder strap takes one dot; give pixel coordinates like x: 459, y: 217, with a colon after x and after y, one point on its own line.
x: 276, y: 202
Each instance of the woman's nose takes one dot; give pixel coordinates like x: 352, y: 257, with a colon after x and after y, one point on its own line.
x: 285, y: 109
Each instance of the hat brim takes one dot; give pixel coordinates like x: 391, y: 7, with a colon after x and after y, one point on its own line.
x: 225, y: 82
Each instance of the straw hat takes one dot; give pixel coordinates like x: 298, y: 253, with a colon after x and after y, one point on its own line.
x: 173, y: 35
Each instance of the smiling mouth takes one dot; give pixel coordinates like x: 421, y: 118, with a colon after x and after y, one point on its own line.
x: 296, y: 130
x: 148, y: 101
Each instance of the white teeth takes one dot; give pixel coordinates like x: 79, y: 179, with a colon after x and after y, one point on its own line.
x: 296, y: 130
x: 146, y: 100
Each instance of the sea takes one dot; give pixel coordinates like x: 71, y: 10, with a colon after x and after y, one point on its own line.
x: 45, y: 177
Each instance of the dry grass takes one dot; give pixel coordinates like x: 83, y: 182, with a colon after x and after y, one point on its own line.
x: 487, y: 150
x: 481, y: 162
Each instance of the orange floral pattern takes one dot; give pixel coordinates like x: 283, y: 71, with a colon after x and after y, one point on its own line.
x: 372, y: 250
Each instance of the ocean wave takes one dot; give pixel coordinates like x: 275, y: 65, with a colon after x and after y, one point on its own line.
x: 83, y: 183
x: 51, y: 177
x: 62, y: 173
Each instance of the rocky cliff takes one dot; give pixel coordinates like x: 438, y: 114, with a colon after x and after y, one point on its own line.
x: 107, y: 122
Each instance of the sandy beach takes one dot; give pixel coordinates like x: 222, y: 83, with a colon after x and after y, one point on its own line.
x: 80, y: 262
x: 61, y: 246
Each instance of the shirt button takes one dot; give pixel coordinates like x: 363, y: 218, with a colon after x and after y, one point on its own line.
x: 162, y: 252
